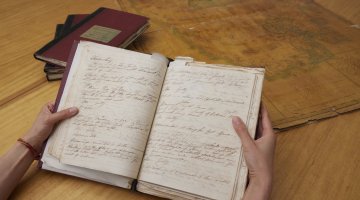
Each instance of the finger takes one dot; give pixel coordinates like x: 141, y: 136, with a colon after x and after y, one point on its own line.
x: 50, y: 106
x: 64, y: 114
x: 266, y: 123
x: 243, y: 133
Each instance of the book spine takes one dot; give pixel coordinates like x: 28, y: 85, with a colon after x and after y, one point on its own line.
x: 68, y: 23
x: 58, y: 30
x: 65, y: 76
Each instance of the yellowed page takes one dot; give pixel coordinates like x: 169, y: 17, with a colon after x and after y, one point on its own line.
x: 192, y: 147
x: 117, y: 92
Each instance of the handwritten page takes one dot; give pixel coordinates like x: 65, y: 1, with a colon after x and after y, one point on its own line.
x: 192, y: 146
x: 117, y: 92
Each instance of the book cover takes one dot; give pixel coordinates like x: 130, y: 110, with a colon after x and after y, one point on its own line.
x: 104, y: 26
x: 55, y: 72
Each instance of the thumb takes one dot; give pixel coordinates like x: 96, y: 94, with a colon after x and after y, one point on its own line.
x: 241, y: 130
x: 64, y: 114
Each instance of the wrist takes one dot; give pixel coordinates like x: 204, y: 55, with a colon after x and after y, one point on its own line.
x: 36, y: 154
x: 34, y: 140
x: 258, y: 189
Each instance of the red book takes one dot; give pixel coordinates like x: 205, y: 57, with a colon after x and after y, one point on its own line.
x: 71, y: 21
x: 55, y: 72
x: 104, y: 26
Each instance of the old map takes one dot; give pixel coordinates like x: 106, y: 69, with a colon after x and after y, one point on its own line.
x: 311, y: 56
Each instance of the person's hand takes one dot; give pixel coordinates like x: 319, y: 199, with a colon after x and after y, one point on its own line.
x: 259, y: 155
x: 45, y: 123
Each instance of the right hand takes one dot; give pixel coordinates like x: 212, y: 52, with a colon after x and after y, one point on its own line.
x: 259, y: 155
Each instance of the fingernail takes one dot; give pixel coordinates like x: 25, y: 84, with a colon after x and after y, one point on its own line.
x: 236, y: 120
x: 73, y: 110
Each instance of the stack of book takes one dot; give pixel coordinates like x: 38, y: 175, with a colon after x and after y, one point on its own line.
x: 104, y: 26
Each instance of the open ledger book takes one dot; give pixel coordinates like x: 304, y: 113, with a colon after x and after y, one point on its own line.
x: 166, y: 125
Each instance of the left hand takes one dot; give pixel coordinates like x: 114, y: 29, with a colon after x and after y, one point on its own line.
x: 45, y: 123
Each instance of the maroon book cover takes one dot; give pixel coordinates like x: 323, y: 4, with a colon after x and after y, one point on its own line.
x: 54, y: 72
x: 104, y: 26
x: 77, y: 18
x: 66, y: 73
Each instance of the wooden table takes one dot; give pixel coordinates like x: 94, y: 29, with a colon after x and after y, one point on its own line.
x: 320, y: 160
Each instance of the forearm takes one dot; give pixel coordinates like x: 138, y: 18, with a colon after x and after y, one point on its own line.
x: 17, y: 160
x: 13, y: 166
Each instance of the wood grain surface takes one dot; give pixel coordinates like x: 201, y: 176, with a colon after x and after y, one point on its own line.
x: 312, y: 58
x: 348, y: 10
